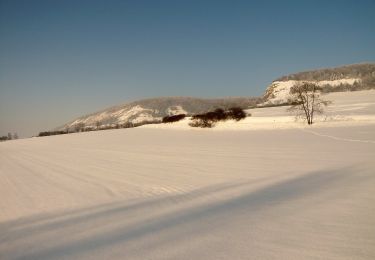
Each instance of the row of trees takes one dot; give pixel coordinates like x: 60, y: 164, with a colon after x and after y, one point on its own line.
x: 81, y: 127
x: 9, y: 137
x: 173, y: 118
x: 362, y: 71
x: 209, y: 119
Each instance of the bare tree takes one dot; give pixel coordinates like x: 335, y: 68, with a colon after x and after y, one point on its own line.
x: 98, y: 124
x: 306, y: 101
x: 15, y: 136
x: 10, y: 136
x: 79, y: 127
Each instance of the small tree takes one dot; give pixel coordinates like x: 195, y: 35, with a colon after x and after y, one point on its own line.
x: 306, y: 100
x: 9, y: 136
x: 79, y: 127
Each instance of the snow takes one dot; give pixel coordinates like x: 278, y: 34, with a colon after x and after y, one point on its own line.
x: 175, y: 110
x: 347, y: 109
x: 148, y: 193
x: 91, y: 120
x: 144, y: 117
x: 280, y: 89
x: 135, y: 114
x: 127, y: 113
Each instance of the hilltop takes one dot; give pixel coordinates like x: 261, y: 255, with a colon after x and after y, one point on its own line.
x: 344, y: 78
x: 339, y: 79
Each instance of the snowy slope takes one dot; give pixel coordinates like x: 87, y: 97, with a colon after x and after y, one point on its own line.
x: 352, y: 77
x: 278, y: 91
x: 151, y: 110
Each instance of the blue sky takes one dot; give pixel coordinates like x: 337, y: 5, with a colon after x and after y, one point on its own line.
x: 63, y: 59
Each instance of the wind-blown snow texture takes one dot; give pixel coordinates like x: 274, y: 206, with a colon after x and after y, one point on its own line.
x: 298, y: 193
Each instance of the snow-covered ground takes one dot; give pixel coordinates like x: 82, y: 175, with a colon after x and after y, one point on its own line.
x: 149, y: 193
x: 347, y: 109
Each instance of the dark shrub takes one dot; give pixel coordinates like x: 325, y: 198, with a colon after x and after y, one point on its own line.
x: 173, y: 118
x: 236, y: 113
x: 147, y: 122
x: 203, y: 123
x: 48, y: 133
x: 4, y: 138
x: 208, y: 120
x: 217, y: 115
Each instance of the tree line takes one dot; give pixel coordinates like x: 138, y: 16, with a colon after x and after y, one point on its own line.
x: 9, y: 137
x: 209, y: 119
x: 81, y: 127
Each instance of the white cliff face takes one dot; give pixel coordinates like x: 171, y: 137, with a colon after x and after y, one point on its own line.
x: 278, y: 91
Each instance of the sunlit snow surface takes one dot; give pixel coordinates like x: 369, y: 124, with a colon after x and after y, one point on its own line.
x: 347, y: 109
x: 280, y: 89
x: 274, y: 190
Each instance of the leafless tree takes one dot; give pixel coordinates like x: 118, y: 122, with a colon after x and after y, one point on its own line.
x: 306, y: 101
x: 79, y: 127
x: 98, y: 124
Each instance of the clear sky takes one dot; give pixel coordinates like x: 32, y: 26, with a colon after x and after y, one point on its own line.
x: 63, y: 59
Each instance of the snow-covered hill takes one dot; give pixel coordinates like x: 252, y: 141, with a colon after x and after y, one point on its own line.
x: 350, y: 77
x: 278, y: 91
x: 346, y: 78
x: 347, y: 109
x: 151, y: 110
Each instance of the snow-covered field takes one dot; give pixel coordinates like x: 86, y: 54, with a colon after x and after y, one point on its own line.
x: 149, y: 193
x: 347, y: 109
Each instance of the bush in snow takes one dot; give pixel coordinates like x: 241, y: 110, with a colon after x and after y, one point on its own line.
x: 208, y: 120
x: 173, y: 118
x: 236, y: 113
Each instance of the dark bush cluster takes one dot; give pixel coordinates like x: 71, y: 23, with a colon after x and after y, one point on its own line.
x: 83, y: 128
x: 236, y: 113
x: 9, y: 137
x: 48, y: 133
x: 4, y: 138
x: 173, y: 118
x: 146, y: 122
x: 208, y: 120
